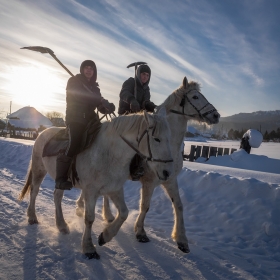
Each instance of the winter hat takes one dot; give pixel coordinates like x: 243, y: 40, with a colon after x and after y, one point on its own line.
x: 141, y: 69
x: 144, y: 68
x: 89, y: 63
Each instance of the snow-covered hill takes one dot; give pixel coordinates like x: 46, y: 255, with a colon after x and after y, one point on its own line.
x: 28, y: 117
x: 231, y: 219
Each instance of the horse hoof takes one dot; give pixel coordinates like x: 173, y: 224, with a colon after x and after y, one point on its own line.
x: 64, y: 231
x: 92, y: 256
x: 33, y: 222
x: 183, y: 247
x: 101, y: 240
x: 142, y: 238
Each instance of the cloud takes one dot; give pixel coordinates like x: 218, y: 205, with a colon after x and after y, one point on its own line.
x: 200, y: 40
x: 249, y: 72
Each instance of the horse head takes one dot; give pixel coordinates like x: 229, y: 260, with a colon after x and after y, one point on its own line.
x: 193, y: 104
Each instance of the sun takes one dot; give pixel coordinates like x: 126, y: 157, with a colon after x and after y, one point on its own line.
x: 36, y: 86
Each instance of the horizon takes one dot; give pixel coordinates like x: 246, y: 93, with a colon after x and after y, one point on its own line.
x: 63, y: 114
x: 227, y: 47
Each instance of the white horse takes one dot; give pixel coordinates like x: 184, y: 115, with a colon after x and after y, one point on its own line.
x: 103, y: 168
x: 185, y: 103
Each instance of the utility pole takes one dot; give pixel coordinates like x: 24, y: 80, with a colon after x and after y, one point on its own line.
x: 10, y: 107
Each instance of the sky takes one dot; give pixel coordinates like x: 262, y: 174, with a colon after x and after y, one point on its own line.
x: 231, y: 215
x: 231, y: 48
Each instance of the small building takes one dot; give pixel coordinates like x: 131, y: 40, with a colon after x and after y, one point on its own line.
x: 26, y: 123
x: 28, y: 118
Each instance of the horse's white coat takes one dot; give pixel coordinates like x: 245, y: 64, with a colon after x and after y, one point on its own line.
x: 102, y: 169
x: 177, y: 124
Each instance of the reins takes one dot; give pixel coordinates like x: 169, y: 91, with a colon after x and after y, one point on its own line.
x: 182, y: 104
x: 150, y: 158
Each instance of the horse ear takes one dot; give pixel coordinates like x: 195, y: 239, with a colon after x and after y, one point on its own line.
x: 185, y: 82
x: 162, y: 112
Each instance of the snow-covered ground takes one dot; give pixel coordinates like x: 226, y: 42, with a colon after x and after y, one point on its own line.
x: 232, y: 220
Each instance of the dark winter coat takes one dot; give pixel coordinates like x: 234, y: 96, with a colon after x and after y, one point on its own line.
x: 80, y: 103
x: 127, y: 95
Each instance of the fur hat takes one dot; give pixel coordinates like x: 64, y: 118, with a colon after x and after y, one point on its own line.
x: 141, y: 69
x: 89, y: 63
x: 144, y: 68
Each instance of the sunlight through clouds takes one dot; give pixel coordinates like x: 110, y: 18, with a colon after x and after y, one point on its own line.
x: 33, y: 86
x: 207, y: 42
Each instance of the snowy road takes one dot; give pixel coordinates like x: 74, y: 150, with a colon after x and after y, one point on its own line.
x: 232, y: 223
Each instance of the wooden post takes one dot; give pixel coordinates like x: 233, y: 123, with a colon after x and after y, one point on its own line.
x: 213, y: 151
x: 205, y: 151
x: 226, y: 151
x: 220, y: 151
x: 191, y: 155
x: 198, y: 152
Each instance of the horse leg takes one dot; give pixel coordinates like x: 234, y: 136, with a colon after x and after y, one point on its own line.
x: 80, y: 205
x: 178, y: 232
x: 146, y: 195
x: 106, y: 210
x: 112, y: 229
x: 87, y: 245
x: 38, y: 174
x: 60, y: 222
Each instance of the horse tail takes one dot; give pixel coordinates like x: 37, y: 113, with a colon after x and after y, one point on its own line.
x: 28, y: 181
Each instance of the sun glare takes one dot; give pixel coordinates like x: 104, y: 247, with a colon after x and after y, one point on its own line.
x: 34, y: 86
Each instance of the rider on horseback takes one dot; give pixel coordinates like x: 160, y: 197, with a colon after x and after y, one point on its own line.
x: 82, y: 98
x: 135, y: 97
x: 133, y: 102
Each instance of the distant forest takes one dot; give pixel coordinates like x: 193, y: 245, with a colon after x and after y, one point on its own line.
x: 267, y: 136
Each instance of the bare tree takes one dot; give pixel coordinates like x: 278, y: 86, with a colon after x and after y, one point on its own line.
x: 54, y: 114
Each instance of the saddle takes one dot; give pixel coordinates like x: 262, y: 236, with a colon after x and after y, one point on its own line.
x: 59, y: 142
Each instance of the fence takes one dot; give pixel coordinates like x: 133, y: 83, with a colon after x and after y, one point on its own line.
x: 31, y: 135
x: 197, y: 151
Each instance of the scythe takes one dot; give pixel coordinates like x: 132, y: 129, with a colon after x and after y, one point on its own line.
x: 49, y: 51
x: 135, y: 82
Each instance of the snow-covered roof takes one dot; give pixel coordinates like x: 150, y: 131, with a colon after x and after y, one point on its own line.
x: 28, y: 117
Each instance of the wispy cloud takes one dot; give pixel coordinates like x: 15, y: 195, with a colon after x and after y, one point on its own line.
x: 201, y: 40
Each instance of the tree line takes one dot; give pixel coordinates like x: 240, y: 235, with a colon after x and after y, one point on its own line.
x: 267, y: 136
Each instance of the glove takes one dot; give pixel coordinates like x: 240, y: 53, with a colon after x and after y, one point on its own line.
x: 150, y: 106
x: 134, y: 106
x: 112, y: 108
x: 106, y: 107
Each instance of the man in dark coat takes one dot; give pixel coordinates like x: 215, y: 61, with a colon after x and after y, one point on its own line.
x: 131, y: 102
x: 82, y: 98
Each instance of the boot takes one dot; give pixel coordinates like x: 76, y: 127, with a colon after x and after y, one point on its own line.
x: 63, y: 163
x: 136, y: 168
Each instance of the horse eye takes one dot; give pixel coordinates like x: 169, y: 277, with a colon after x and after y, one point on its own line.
x: 156, y: 139
x: 195, y: 97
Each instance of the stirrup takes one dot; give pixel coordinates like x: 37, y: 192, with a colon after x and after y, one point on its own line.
x: 137, y: 174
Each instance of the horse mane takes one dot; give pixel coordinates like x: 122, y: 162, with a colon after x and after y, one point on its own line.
x: 123, y: 123
x: 177, y: 95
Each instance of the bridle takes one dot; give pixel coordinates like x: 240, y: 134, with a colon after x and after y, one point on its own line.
x: 182, y: 104
x: 139, y: 139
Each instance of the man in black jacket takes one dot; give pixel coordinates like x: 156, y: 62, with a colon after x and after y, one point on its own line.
x: 131, y: 102
x: 82, y: 98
